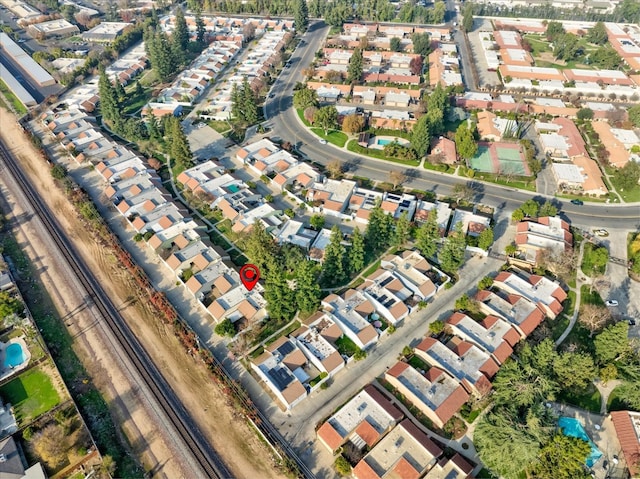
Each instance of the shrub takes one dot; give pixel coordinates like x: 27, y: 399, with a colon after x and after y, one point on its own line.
x: 58, y: 172
x: 225, y: 328
x: 342, y: 466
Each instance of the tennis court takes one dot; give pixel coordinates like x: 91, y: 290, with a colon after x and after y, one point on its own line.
x: 500, y: 158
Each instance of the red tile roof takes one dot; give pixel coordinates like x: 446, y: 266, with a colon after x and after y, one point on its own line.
x: 628, y: 440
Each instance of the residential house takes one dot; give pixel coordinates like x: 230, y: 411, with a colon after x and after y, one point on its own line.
x: 472, y: 223
x: 493, y: 128
x: 366, y: 418
x: 538, y: 289
x: 319, y: 245
x: 493, y: 334
x: 331, y: 197
x: 405, y: 452
x: 14, y: 466
x: 524, y: 315
x: 436, y: 394
x: 443, y: 150
x: 466, y: 362
x: 443, y: 213
x: 351, y: 314
x: 281, y: 367
x: 236, y: 303
x: 161, y: 218
x: 297, y: 177
x: 455, y: 468
x: 387, y: 294
x: 317, y: 338
x: 548, y: 233
x: 415, y: 272
x: 295, y: 232
x: 627, y: 427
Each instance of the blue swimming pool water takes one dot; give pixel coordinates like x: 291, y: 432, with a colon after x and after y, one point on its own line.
x: 234, y: 188
x: 13, y: 356
x: 573, y: 428
x: 384, y: 142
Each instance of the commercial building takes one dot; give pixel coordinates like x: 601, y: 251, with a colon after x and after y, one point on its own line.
x: 24, y: 60
x: 52, y: 28
x: 105, y: 32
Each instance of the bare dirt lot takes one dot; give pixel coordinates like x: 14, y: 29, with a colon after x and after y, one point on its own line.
x: 231, y: 436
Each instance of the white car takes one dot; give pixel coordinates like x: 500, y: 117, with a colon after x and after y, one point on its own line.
x: 601, y: 232
x: 611, y: 302
x: 322, y: 141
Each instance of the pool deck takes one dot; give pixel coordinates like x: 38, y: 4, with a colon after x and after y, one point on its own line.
x: 605, y: 439
x: 7, y: 372
x: 373, y: 142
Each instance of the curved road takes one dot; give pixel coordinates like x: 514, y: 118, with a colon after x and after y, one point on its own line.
x: 284, y: 121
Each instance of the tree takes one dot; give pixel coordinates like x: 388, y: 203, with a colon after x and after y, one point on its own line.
x: 327, y: 118
x: 554, y: 29
x: 517, y: 216
x: 451, y: 255
x: 354, y: 71
x: 281, y: 303
x: 438, y: 99
x: 9, y: 305
x: 585, y: 114
x: 594, y: 317
x: 562, y: 264
x: 259, y: 246
x: 395, y: 44
x: 310, y: 113
x: 612, y: 342
x: 511, y: 249
x: 563, y: 457
x: 608, y: 373
x: 333, y: 271
x: 356, y: 252
x: 467, y: 17
x: 353, y: 123
x: 416, y: 65
x: 634, y: 115
x: 59, y: 172
x: 179, y: 149
x: 305, y: 98
x: 201, y: 32
x: 180, y: 34
x: 530, y: 208
x: 317, y: 222
x: 51, y: 444
x: 520, y: 385
x: 342, y: 466
x: 109, y: 105
x: 421, y: 44
x: 629, y: 394
x: 396, y: 178
x: 428, y: 235
x: 401, y: 231
x: 436, y: 327
x: 463, y: 191
x: 225, y: 328
x: 485, y: 239
x: 307, y: 288
x: 421, y: 136
x: 627, y: 177
x: 301, y: 16
x: 334, y: 168
x: 574, y: 370
x: 435, y: 117
x: 485, y: 283
x: 598, y: 34
x: 465, y: 142
x: 465, y: 303
x: 547, y: 209
x: 379, y: 230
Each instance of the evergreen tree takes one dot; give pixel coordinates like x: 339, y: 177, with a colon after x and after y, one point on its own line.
x: 421, y: 136
x: 437, y: 99
x: 333, y: 271
x: 465, y: 142
x: 379, y: 231
x: 356, y: 252
x: 249, y: 103
x: 121, y: 95
x: 467, y: 17
x: 260, y: 247
x: 181, y: 32
x: 108, y: 97
x: 153, y: 128
x: 354, y: 71
x: 402, y: 230
x: 281, y: 304
x: 326, y: 118
x: 451, y: 255
x: 301, y: 16
x: 485, y: 240
x: 163, y: 58
x: 428, y: 235
x: 308, y: 291
x: 201, y: 32
x: 179, y: 149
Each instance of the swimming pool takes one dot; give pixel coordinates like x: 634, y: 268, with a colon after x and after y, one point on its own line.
x: 13, y: 356
x: 384, y: 142
x: 573, y: 428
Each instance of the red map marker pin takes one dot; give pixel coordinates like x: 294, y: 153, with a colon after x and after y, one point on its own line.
x: 249, y: 275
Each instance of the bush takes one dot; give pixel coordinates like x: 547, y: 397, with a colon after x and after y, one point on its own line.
x: 342, y: 466
x: 485, y: 283
x: 58, y: 172
x: 225, y: 328
x: 436, y: 327
x: 359, y: 355
x: 137, y: 237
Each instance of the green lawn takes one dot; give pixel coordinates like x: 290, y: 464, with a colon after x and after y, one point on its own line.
x: 529, y: 185
x: 588, y: 399
x: 219, y: 126
x: 345, y: 346
x: 136, y: 102
x: 418, y: 363
x: 374, y: 153
x: 588, y: 266
x: 11, y: 98
x: 590, y: 297
x: 334, y: 137
x: 630, y: 196
x: 31, y: 394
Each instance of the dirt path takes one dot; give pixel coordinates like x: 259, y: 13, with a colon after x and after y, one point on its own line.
x: 232, y: 437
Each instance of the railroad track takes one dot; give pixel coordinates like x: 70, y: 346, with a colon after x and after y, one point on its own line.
x: 206, y: 457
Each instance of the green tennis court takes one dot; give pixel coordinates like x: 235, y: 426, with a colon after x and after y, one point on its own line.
x: 500, y: 158
x: 482, y: 160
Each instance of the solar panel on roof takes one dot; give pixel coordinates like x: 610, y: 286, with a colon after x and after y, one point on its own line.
x: 386, y: 281
x: 281, y: 377
x: 286, y: 348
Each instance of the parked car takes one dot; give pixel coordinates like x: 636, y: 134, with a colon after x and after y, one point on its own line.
x: 323, y: 141
x: 632, y: 322
x: 577, y: 202
x: 601, y: 232
x: 611, y: 302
